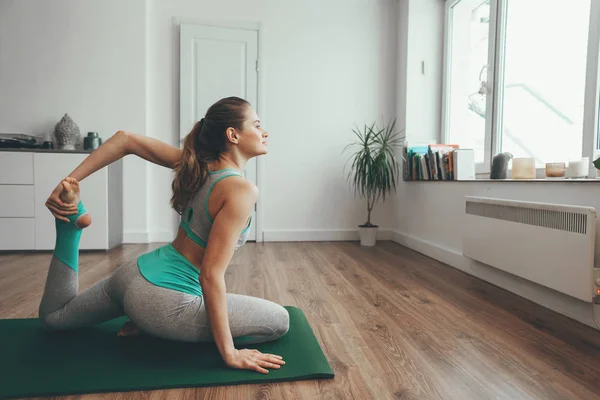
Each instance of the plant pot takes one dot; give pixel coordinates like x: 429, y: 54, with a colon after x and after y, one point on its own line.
x: 368, y: 235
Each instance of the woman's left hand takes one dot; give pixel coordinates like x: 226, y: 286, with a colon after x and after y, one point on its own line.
x: 57, y: 207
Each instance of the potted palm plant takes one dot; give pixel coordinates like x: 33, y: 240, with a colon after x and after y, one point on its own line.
x: 374, y: 170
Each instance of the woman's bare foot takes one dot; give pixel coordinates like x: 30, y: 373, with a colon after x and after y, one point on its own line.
x: 128, y: 330
x: 71, y: 195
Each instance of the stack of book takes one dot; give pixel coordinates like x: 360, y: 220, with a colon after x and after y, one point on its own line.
x: 438, y: 162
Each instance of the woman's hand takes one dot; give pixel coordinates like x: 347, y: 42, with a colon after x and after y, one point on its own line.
x: 57, y: 207
x: 254, y: 360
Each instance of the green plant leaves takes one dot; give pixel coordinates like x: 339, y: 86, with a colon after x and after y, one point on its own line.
x: 374, y: 169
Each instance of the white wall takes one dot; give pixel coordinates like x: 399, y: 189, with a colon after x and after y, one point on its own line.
x: 114, y: 65
x: 327, y: 65
x: 428, y: 215
x: 423, y: 69
x: 429, y: 218
x: 402, y: 69
x: 81, y: 57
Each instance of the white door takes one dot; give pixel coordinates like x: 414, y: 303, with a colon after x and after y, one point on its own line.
x: 217, y: 62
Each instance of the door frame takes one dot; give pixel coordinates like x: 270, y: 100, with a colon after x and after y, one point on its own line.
x: 260, y: 107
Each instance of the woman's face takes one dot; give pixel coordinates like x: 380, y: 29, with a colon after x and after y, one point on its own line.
x: 252, y: 138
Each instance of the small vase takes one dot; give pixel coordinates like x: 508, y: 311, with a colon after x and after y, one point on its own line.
x: 92, y: 141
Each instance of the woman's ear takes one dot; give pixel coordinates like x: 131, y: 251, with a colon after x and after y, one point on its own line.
x: 232, y: 135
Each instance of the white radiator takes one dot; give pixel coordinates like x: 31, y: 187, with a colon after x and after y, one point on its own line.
x: 550, y: 244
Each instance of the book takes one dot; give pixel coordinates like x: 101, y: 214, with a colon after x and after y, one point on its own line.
x: 429, y: 162
x: 464, y: 164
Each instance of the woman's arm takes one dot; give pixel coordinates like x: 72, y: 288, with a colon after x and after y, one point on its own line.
x: 118, y: 146
x: 124, y: 143
x: 229, y: 223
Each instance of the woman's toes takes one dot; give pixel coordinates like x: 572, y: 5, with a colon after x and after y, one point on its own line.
x: 67, y: 185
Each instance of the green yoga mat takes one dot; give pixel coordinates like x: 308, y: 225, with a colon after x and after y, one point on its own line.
x: 35, y: 362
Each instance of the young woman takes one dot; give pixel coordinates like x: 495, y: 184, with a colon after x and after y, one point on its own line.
x: 176, y: 292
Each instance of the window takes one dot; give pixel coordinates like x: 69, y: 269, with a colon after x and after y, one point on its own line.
x: 517, y: 78
x: 466, y: 63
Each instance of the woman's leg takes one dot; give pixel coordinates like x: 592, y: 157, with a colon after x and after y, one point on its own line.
x: 61, y: 307
x: 255, y: 320
x: 174, y: 315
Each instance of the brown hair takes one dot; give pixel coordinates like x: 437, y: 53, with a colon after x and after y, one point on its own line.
x: 205, y: 142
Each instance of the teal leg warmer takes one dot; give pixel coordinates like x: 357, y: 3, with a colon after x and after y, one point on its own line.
x: 68, y: 236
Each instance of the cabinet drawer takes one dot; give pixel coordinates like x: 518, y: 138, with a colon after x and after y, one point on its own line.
x: 17, y: 234
x: 16, y: 168
x: 16, y: 201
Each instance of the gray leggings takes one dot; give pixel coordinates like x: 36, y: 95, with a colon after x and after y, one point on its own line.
x: 157, y: 311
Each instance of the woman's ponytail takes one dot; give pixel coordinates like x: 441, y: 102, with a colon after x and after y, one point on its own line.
x: 190, y: 172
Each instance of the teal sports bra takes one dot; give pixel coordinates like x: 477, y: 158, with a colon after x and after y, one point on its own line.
x: 168, y: 268
x: 196, y: 220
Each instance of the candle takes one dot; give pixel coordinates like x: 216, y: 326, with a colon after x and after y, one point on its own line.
x: 578, y: 168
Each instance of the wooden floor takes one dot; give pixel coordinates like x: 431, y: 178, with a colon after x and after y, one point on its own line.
x: 393, y: 324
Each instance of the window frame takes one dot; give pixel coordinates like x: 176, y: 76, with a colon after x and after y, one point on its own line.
x: 591, y: 142
x: 495, y: 76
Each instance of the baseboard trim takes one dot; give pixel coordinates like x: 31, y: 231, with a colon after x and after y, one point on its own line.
x: 136, y: 237
x: 313, y: 235
x: 320, y: 235
x: 551, y: 299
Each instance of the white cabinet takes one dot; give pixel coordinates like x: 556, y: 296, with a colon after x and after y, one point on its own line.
x: 17, y: 233
x: 26, y: 223
x: 17, y: 201
x: 16, y: 168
